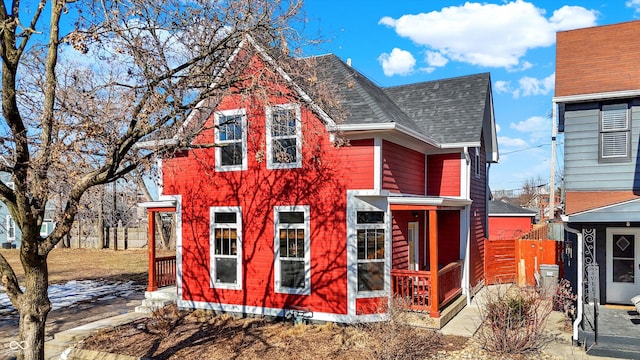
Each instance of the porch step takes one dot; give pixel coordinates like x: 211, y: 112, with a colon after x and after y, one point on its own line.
x: 613, y: 346
x: 154, y: 300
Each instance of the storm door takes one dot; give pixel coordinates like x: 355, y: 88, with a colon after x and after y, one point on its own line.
x: 623, y: 259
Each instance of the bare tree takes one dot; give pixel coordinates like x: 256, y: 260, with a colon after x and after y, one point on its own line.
x: 76, y: 101
x: 531, y: 190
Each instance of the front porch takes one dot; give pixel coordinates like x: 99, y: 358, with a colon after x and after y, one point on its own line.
x: 615, y: 332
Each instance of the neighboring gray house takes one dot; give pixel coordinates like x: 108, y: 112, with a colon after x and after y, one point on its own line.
x: 597, y: 97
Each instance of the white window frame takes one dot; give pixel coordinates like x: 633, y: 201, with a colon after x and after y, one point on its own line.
x: 616, y: 126
x: 11, y: 228
x: 47, y: 223
x: 476, y: 166
x: 277, y: 226
x: 382, y: 227
x: 271, y: 162
x: 212, y: 246
x: 218, y: 115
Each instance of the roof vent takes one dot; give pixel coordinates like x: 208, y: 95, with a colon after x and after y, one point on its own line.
x: 349, y: 62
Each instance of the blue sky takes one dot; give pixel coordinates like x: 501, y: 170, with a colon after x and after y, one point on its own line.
x: 408, y: 41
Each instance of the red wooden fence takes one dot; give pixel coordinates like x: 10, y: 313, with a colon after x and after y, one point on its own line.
x: 517, y: 260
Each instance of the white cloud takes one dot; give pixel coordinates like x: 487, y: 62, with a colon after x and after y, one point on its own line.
x: 399, y: 62
x: 436, y: 59
x: 634, y: 4
x: 509, y: 142
x: 490, y: 35
x: 498, y: 128
x: 528, y: 86
x: 501, y: 86
x: 537, y: 127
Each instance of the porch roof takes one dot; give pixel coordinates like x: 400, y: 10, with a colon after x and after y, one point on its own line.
x: 157, y: 205
x: 412, y: 202
x: 622, y: 212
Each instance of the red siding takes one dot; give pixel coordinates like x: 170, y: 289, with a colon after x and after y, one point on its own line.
x: 478, y: 223
x: 448, y: 236
x: 508, y: 227
x: 321, y: 184
x: 443, y: 174
x: 402, y: 169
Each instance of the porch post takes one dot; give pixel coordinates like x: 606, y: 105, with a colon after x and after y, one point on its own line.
x: 151, y: 244
x: 434, y: 295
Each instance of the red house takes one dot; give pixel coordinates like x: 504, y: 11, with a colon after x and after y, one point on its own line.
x: 293, y: 210
x: 507, y: 221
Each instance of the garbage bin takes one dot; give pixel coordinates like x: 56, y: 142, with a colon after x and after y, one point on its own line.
x: 549, y: 275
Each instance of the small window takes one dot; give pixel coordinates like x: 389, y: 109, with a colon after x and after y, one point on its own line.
x: 370, y: 232
x: 226, y: 247
x: 11, y: 228
x: 231, y: 140
x: 284, y: 137
x: 615, y: 133
x: 292, y: 257
x: 46, y: 228
x: 476, y: 163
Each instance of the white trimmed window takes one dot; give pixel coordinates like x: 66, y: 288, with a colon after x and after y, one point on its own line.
x: 615, y: 133
x: 11, y: 229
x: 46, y: 227
x: 476, y: 163
x: 370, y: 229
x: 231, y: 140
x: 226, y: 247
x: 284, y: 137
x: 292, y: 250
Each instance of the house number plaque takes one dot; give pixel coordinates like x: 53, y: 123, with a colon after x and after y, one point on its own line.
x: 593, y: 283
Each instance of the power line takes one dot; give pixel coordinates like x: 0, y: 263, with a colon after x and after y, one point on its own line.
x: 529, y: 148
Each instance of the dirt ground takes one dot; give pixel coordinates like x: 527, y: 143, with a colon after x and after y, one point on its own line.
x: 196, y: 335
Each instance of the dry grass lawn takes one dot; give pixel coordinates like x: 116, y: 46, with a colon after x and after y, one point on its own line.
x: 85, y: 264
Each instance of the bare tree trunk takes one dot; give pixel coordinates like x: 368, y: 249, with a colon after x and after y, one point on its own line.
x: 34, y: 308
x: 100, y: 226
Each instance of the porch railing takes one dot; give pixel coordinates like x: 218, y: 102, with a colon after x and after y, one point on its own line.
x: 414, y: 286
x: 165, y: 271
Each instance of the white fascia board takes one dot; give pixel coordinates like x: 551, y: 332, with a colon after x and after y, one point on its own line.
x: 430, y: 201
x: 157, y: 204
x: 383, y: 126
x: 460, y: 145
x: 596, y: 96
x: 151, y: 144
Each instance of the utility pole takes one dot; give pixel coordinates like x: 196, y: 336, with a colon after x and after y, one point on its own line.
x: 552, y: 185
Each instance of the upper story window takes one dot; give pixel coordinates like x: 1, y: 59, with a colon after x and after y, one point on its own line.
x: 476, y: 162
x: 231, y: 138
x: 615, y: 133
x: 292, y: 246
x: 226, y: 247
x: 284, y: 137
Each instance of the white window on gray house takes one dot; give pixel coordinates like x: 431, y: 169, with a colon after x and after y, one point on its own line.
x: 292, y: 250
x: 226, y: 247
x: 11, y: 229
x: 370, y: 231
x: 284, y: 137
x: 231, y: 138
x: 615, y: 133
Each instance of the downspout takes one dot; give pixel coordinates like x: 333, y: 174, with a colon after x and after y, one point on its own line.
x: 580, y: 277
x: 467, y: 253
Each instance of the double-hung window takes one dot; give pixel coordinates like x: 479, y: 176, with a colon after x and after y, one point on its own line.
x: 284, y: 137
x: 370, y: 231
x: 292, y: 253
x: 231, y: 140
x: 226, y: 247
x: 615, y: 133
x: 11, y: 229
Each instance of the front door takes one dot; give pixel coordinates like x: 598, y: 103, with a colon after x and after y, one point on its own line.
x: 412, y: 235
x: 623, y: 259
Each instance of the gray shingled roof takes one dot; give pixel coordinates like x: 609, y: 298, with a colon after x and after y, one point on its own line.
x: 498, y: 207
x: 447, y: 111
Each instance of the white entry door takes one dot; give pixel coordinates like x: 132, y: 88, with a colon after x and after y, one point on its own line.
x: 623, y: 259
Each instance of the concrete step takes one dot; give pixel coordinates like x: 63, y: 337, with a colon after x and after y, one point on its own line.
x: 613, y: 346
x: 167, y: 293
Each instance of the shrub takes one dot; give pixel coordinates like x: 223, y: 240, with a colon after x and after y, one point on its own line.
x: 513, y: 319
x: 564, y: 300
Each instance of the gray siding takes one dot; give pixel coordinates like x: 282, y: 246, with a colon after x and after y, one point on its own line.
x: 582, y: 171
